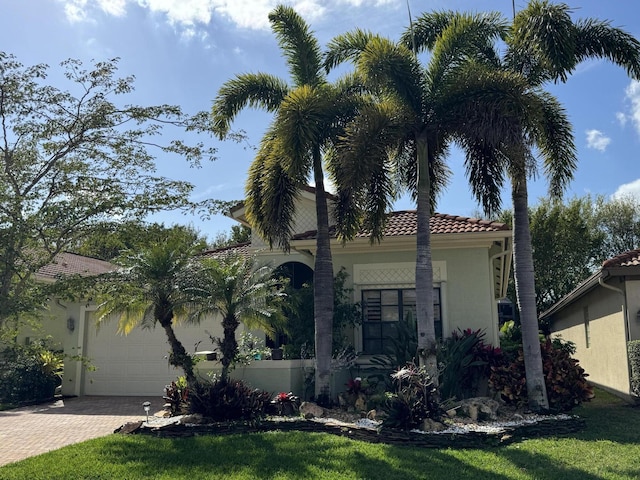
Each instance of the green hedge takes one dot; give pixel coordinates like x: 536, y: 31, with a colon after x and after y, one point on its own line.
x: 634, y: 360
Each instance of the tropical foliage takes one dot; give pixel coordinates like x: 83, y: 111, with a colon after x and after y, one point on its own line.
x: 308, y: 118
x: 417, y: 112
x: 239, y: 290
x: 543, y: 44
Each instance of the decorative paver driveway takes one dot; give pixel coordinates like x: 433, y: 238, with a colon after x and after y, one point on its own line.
x: 29, y: 431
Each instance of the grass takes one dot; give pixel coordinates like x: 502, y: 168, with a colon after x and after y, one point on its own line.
x: 607, y: 449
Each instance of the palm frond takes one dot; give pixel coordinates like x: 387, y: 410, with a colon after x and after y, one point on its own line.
x: 485, y: 167
x: 253, y: 89
x: 543, y: 32
x: 553, y: 135
x: 299, y: 45
x: 346, y: 47
x: 595, y: 38
x: 430, y: 26
x: 390, y: 67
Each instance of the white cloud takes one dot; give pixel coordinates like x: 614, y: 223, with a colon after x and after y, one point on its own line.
x: 117, y: 8
x: 632, y: 93
x: 597, y: 140
x: 186, y: 14
x: 627, y: 190
x: 622, y: 118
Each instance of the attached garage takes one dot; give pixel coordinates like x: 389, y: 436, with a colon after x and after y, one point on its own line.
x: 135, y: 364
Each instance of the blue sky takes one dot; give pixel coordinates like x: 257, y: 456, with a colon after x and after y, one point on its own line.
x: 182, y: 51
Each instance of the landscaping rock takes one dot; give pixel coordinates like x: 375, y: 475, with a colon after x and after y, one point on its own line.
x: 430, y: 425
x: 194, y: 419
x: 480, y: 408
x: 311, y: 410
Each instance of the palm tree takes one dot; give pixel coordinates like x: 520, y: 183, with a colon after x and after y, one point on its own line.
x: 408, y: 126
x: 543, y: 44
x: 239, y: 290
x: 308, y: 117
x: 147, y: 291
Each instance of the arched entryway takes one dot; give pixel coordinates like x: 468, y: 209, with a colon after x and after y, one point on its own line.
x: 299, y: 276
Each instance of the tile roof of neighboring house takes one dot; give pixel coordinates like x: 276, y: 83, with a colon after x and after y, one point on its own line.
x: 242, y: 249
x: 404, y: 223
x: 65, y: 264
x: 626, y: 259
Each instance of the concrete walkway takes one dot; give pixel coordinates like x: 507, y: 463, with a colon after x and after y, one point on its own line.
x: 29, y: 431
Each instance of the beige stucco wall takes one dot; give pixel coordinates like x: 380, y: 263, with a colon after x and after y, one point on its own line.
x: 466, y: 283
x: 605, y: 358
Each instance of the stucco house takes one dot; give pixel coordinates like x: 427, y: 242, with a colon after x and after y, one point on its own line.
x: 471, y: 264
x: 600, y: 316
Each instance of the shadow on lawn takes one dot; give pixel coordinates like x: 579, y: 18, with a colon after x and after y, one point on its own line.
x: 286, y: 455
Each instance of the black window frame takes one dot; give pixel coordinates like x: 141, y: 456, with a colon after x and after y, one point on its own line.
x: 376, y: 338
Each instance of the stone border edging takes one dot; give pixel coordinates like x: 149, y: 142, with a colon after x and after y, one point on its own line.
x: 507, y: 435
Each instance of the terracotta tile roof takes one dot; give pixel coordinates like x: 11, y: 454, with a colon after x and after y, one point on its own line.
x: 404, y: 223
x: 65, y: 264
x: 242, y: 249
x: 626, y: 259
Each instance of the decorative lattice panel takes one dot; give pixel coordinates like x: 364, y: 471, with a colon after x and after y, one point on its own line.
x: 393, y: 273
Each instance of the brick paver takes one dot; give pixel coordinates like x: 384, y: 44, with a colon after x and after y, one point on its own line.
x: 29, y: 431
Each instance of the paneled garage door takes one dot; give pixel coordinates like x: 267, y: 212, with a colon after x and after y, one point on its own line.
x: 135, y: 364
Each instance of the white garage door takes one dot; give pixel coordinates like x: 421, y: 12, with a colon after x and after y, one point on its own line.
x: 135, y: 364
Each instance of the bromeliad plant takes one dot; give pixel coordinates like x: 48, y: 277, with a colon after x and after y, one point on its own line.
x: 414, y: 400
x: 286, y: 403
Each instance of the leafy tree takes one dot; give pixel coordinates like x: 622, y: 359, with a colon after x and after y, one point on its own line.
x: 567, y: 246
x: 570, y: 240
x: 239, y: 290
x: 308, y: 117
x: 619, y: 222
x: 238, y: 234
x: 150, y: 290
x: 70, y: 160
x: 417, y: 113
x: 108, y: 240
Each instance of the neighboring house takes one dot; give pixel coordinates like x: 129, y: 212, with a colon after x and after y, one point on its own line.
x: 600, y: 316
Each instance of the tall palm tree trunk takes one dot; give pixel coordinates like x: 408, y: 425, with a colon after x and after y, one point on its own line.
x: 526, y: 295
x: 424, y: 267
x: 322, y: 287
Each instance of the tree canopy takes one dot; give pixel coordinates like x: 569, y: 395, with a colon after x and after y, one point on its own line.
x: 73, y: 159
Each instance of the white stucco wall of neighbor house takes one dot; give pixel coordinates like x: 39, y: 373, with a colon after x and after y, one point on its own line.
x: 596, y: 324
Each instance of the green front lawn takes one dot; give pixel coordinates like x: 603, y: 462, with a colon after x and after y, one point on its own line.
x: 608, y: 449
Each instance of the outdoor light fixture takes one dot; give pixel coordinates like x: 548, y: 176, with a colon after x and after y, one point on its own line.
x: 71, y: 324
x: 147, y: 407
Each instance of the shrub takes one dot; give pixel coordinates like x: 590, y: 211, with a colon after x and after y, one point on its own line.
x: 230, y: 399
x: 566, y: 382
x: 176, y: 395
x: 414, y: 400
x: 634, y: 362
x: 465, y: 361
x: 30, y: 374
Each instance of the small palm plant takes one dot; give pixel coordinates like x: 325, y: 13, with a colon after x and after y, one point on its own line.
x: 240, y: 290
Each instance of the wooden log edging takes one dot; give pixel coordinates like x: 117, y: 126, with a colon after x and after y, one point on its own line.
x: 472, y: 439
